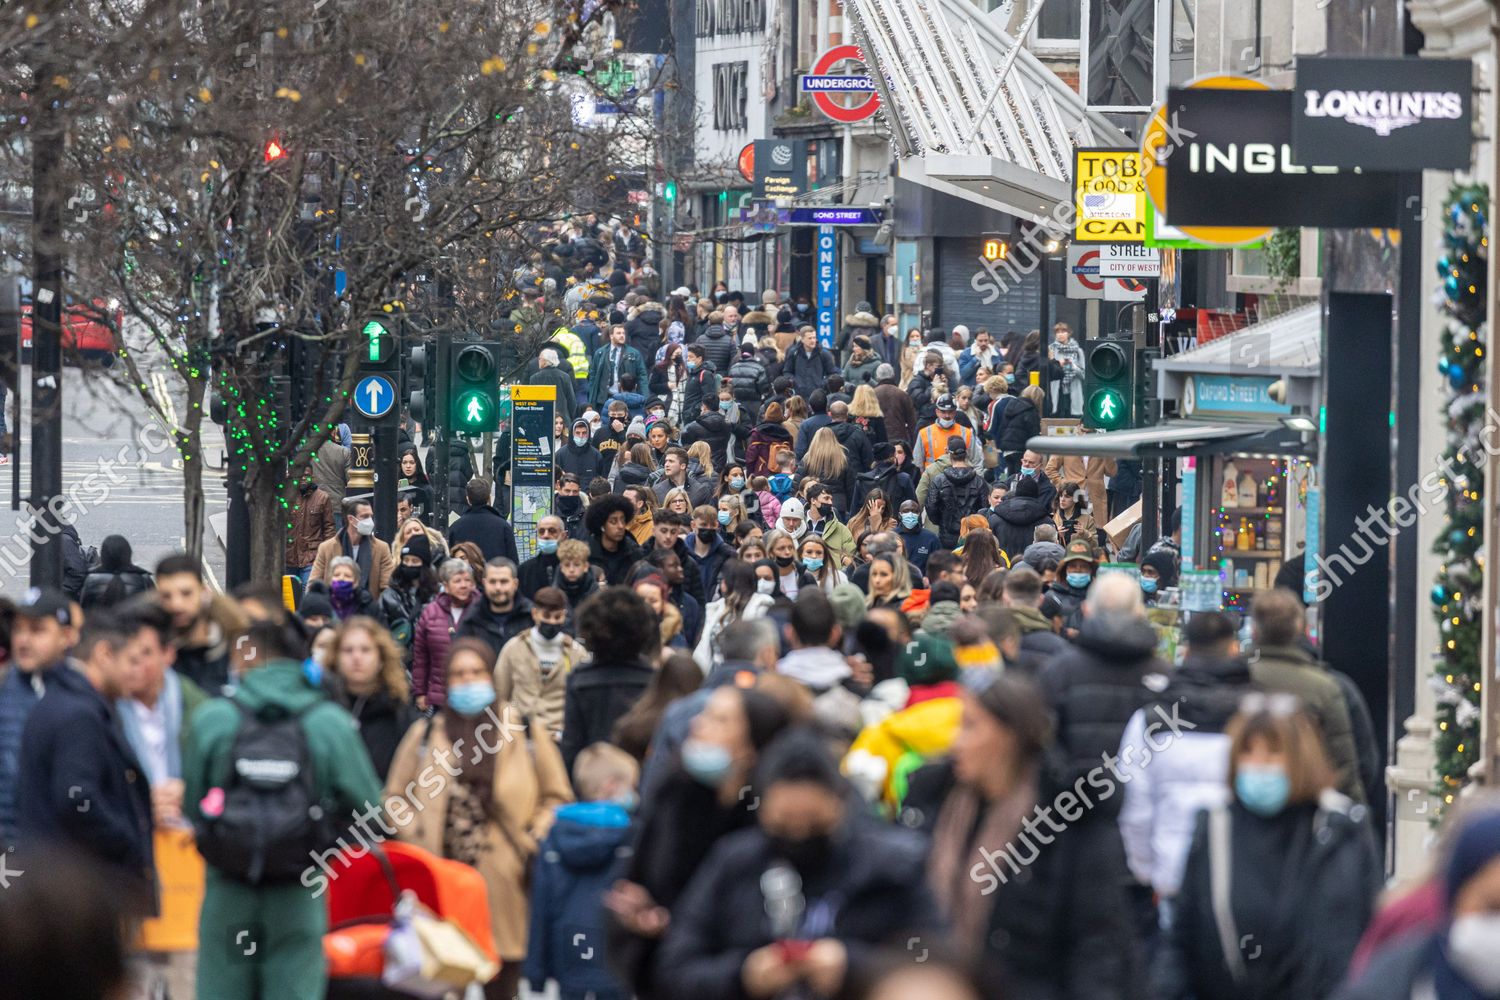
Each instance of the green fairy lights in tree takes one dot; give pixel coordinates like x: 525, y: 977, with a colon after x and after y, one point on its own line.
x: 1457, y: 596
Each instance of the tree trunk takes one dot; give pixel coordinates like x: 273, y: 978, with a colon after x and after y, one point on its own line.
x: 268, y: 527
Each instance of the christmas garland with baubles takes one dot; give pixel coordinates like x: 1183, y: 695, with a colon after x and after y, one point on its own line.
x: 1457, y: 597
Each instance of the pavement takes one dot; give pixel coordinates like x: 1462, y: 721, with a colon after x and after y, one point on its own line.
x: 126, y: 474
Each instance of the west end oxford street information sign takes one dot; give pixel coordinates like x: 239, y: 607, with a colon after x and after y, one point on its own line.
x: 532, y: 451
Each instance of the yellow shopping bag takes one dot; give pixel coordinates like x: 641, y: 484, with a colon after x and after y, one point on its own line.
x: 179, y: 871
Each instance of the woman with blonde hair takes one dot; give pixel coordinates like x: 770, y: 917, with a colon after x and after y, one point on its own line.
x: 731, y: 515
x: 413, y: 526
x: 678, y: 501
x: 889, y: 582
x: 703, y: 455
x: 816, y: 559
x: 865, y: 411
x: 826, y: 462
x: 367, y: 677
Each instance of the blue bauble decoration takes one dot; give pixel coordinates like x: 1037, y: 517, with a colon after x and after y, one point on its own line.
x: 1456, y: 214
x: 1439, y: 594
x: 1443, y: 364
x: 1457, y: 377
x: 1457, y: 537
x: 1450, y: 285
x: 1443, y: 266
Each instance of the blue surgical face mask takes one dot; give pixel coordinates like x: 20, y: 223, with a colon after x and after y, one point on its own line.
x: 737, y: 482
x: 725, y: 517
x: 708, y: 763
x: 1263, y: 790
x: 313, y: 671
x: 910, y: 520
x: 691, y: 366
x: 725, y: 404
x: 1010, y: 379
x: 1079, y: 581
x: 812, y: 565
x: 471, y: 699
x: 629, y: 801
x: 546, y: 546
x: 580, y: 439
x: 1027, y: 472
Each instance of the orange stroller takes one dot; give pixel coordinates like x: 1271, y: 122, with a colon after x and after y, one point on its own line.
x: 362, y: 899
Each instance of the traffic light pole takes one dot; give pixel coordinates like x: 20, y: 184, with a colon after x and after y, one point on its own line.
x: 387, y: 472
x: 46, y: 332
x: 1151, y: 465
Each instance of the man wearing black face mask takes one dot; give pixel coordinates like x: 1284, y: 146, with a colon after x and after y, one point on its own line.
x: 810, y: 854
x: 707, y: 547
x: 532, y: 672
x: 569, y: 506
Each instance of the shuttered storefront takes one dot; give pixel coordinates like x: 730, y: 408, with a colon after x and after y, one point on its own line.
x: 964, y: 285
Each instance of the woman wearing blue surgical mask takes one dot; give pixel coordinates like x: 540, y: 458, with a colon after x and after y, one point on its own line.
x: 705, y: 794
x: 817, y: 562
x: 1280, y: 881
x: 501, y: 781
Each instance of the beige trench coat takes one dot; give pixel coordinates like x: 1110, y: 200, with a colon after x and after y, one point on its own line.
x: 529, y: 785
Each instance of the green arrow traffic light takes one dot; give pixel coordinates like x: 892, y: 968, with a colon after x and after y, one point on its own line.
x: 379, y: 343
x: 1107, y: 408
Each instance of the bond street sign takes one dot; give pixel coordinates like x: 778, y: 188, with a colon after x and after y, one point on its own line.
x: 1383, y: 114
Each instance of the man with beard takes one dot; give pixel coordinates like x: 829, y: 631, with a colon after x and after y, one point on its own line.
x: 205, y: 625
x: 536, y: 572
x: 503, y: 614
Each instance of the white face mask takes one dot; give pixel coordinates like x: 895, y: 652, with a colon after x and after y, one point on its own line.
x: 1473, y: 944
x: 365, y: 526
x: 765, y: 586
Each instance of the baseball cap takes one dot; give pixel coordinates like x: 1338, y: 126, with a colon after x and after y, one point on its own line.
x: 1079, y: 549
x: 945, y: 402
x: 46, y: 602
x: 682, y: 292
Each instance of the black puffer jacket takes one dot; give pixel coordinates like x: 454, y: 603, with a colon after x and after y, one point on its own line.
x: 717, y: 431
x: 895, y: 484
x: 1205, y: 691
x: 644, y: 331
x: 1097, y: 687
x: 1018, y: 518
x: 494, y: 627
x: 750, y: 381
x: 1020, y: 424
x: 719, y: 347
x: 956, y: 493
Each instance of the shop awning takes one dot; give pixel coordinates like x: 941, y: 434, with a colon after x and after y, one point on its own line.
x: 1175, y: 437
x: 934, y: 65
x: 1286, y: 348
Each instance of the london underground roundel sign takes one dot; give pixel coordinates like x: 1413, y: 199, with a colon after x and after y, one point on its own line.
x: 823, y: 85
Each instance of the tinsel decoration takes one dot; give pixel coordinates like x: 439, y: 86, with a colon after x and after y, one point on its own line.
x: 1457, y: 596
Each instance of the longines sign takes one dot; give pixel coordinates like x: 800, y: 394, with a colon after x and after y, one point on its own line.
x: 1383, y: 114
x: 1237, y: 168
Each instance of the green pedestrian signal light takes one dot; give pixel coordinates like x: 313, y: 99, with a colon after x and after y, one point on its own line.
x: 669, y: 192
x: 475, y: 412
x: 475, y: 389
x: 1107, y: 409
x: 1109, y: 389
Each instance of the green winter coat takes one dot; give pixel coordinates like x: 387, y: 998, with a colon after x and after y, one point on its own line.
x: 1293, y: 670
x: 267, y: 940
x: 343, y: 770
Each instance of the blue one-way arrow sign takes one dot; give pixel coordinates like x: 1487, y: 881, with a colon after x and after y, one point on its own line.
x: 374, y: 396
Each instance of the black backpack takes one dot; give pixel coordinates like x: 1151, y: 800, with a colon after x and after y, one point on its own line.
x: 273, y: 824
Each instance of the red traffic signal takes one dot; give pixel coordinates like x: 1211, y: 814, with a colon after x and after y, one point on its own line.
x: 274, y: 151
